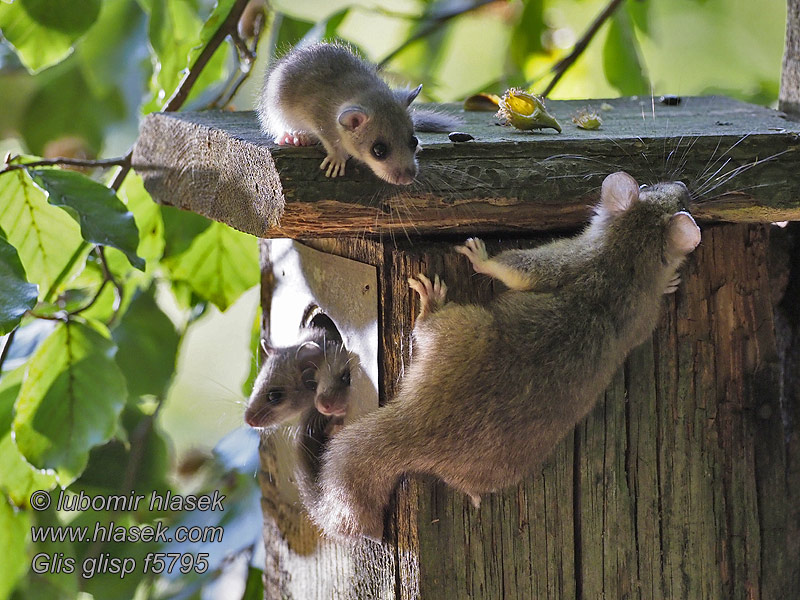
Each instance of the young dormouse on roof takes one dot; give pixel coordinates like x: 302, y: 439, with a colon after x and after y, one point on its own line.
x: 325, y: 93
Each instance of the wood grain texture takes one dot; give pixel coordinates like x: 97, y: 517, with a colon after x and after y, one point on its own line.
x: 789, y: 98
x: 677, y: 485
x: 218, y: 164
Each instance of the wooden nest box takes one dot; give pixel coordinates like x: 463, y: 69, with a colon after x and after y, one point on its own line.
x: 682, y: 483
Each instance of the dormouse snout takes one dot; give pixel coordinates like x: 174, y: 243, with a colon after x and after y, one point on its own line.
x: 405, y: 176
x: 334, y: 405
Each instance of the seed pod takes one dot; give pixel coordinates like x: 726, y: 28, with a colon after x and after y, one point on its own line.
x: 587, y: 119
x: 482, y: 102
x: 526, y: 111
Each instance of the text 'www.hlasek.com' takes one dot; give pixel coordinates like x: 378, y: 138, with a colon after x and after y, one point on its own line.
x: 158, y: 534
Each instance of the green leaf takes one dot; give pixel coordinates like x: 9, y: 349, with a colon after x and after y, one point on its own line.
x: 43, y: 31
x: 527, y: 36
x: 15, y: 531
x: 45, y: 237
x: 213, y: 22
x: 69, y: 401
x: 147, y: 214
x: 175, y: 31
x: 148, y: 345
x: 181, y: 227
x: 254, y: 588
x: 621, y: 63
x: 65, y: 105
x: 108, y: 463
x: 102, y: 215
x: 219, y: 265
x: 18, y: 478
x: 16, y: 294
x: 104, y: 52
x: 255, y: 349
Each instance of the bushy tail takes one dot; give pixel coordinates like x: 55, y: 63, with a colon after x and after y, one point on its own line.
x: 359, y: 469
x: 434, y: 121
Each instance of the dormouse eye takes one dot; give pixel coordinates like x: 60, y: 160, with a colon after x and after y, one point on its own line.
x: 308, y: 378
x: 276, y: 396
x: 345, y: 378
x: 380, y: 150
x: 414, y: 142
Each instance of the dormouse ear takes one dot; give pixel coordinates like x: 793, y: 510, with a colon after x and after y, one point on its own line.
x: 309, y: 353
x: 619, y: 192
x: 683, y: 234
x: 268, y: 350
x: 352, y: 117
x: 409, y: 96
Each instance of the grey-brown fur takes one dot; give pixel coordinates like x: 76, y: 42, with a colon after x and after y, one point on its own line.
x: 310, y: 93
x: 314, y: 373
x: 492, y: 389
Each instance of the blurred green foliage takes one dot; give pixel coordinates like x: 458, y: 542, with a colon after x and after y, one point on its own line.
x: 126, y: 279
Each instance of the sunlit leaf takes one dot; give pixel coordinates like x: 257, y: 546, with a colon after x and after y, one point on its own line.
x: 147, y: 215
x: 43, y: 31
x: 176, y: 31
x: 69, y: 401
x: 621, y: 62
x: 148, y: 345
x: 102, y: 215
x: 220, y: 264
x: 16, y: 294
x: 18, y: 479
x: 15, y: 531
x: 45, y: 236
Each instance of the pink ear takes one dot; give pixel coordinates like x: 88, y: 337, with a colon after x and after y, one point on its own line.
x: 683, y: 234
x: 619, y: 192
x: 309, y: 353
x: 352, y: 118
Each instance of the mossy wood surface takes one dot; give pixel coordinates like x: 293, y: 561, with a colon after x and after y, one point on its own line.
x: 682, y: 483
x: 220, y: 165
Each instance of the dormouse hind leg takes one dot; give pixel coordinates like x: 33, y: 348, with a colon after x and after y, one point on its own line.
x: 475, y: 250
x: 431, y: 294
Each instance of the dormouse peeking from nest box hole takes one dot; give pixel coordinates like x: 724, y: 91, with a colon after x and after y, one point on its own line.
x: 312, y: 374
x: 325, y: 93
x: 492, y: 389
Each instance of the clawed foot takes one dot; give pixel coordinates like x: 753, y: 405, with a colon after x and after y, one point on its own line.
x: 431, y: 294
x: 475, y: 250
x: 333, y: 165
x: 299, y: 138
x: 673, y: 284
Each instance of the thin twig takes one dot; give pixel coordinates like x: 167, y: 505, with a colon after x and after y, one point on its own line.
x: 245, y: 59
x: 74, y: 162
x: 565, y: 63
x: 228, y: 27
x: 432, y: 25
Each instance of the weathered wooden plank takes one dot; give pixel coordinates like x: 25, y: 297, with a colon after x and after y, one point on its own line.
x: 219, y: 164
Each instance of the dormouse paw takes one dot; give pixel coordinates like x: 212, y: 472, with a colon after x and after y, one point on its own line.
x: 333, y: 166
x: 299, y: 138
x: 673, y: 284
x: 431, y: 294
x: 475, y: 250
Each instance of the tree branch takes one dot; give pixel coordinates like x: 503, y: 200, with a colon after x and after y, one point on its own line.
x: 565, y: 63
x: 432, y: 25
x: 75, y: 162
x: 245, y: 57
